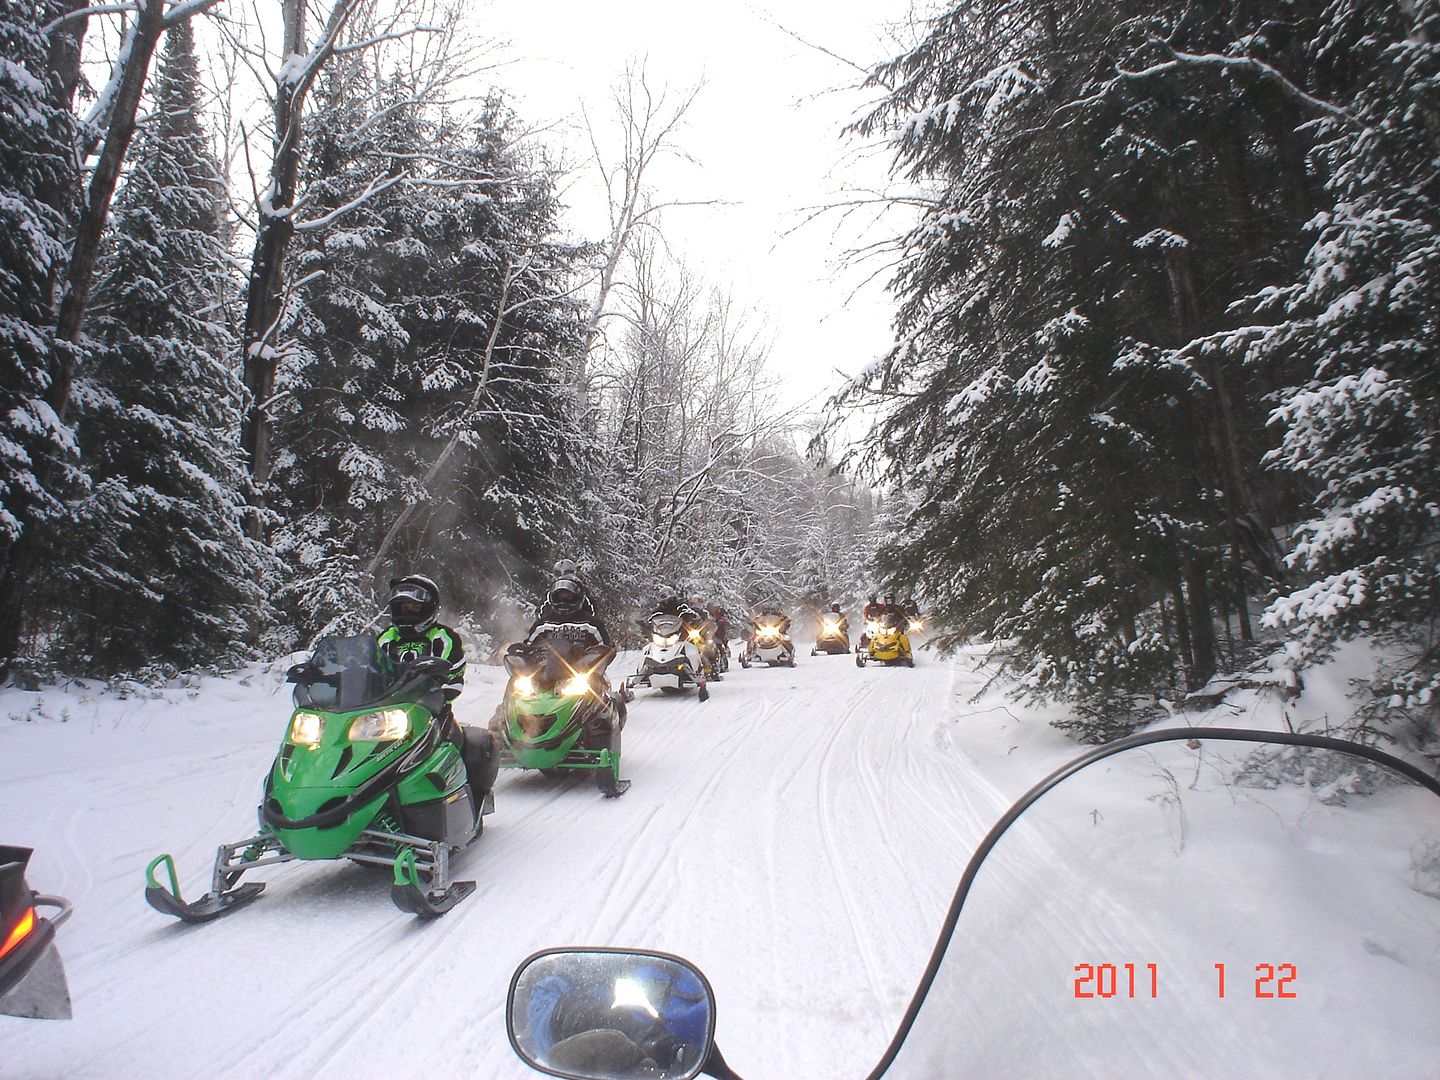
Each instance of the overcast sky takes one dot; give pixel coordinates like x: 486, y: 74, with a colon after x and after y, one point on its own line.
x: 765, y: 136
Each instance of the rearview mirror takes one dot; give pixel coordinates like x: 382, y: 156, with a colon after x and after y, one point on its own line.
x: 611, y: 1014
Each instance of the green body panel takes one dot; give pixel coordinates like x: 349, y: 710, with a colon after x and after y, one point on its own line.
x: 446, y: 765
x: 329, y: 843
x: 558, y: 730
x: 305, y: 778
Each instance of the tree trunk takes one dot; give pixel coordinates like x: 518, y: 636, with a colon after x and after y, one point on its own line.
x: 1202, y: 625
x: 265, y: 294
x: 80, y: 275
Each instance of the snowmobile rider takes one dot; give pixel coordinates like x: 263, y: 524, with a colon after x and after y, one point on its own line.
x: 584, y: 1028
x: 770, y: 615
x: 709, y: 639
x: 722, y: 625
x: 911, y: 611
x: 836, y: 616
x: 869, y: 614
x: 414, y: 633
x: 891, y: 614
x: 568, y: 612
x: 567, y: 603
x: 671, y: 604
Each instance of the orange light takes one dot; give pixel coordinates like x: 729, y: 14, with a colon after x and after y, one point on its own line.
x: 22, y: 930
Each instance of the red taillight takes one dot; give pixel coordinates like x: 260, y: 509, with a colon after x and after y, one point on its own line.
x: 23, y: 929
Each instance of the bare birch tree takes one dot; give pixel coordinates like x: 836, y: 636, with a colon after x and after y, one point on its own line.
x: 646, y: 122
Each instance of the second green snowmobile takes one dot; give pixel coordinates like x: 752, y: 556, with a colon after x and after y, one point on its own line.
x: 558, y: 712
x: 369, y: 770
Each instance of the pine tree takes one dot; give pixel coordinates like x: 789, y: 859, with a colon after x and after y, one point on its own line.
x: 1364, y: 426
x: 1082, y: 447
x: 38, y: 193
x: 165, y: 571
x: 433, y: 337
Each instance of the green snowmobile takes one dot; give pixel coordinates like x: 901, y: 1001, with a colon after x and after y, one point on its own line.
x: 366, y: 772
x: 559, y: 714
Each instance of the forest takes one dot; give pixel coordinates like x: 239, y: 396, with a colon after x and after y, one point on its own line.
x: 1163, y: 399
x: 232, y: 416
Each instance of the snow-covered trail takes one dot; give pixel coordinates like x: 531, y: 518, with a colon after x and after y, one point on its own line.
x: 798, y: 836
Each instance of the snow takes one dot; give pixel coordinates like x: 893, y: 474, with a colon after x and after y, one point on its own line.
x: 798, y: 837
x: 1063, y: 228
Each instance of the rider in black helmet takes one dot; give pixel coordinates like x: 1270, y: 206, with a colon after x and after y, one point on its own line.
x: 414, y: 606
x: 414, y: 633
x: 567, y: 603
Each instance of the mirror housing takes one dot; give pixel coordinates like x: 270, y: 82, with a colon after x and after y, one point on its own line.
x: 517, y: 663
x: 611, y: 1014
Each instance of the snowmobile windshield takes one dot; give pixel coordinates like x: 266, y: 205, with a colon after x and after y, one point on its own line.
x: 1208, y: 908
x: 344, y: 673
x: 665, y: 625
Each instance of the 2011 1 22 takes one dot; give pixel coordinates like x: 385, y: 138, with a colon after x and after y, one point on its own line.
x: 1109, y: 981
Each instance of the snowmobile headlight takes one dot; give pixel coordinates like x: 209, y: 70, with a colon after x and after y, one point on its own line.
x: 916, y: 625
x: 769, y: 632
x: 381, y: 726
x: 667, y: 641
x: 524, y: 686
x: 873, y: 627
x: 578, y: 685
x: 306, y: 728
x: 832, y: 624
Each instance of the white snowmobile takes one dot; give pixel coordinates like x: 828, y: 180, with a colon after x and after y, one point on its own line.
x: 670, y: 662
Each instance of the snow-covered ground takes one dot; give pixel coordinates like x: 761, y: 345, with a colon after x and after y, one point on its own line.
x: 798, y: 837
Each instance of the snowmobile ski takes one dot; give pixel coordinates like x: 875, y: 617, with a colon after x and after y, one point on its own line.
x: 168, y: 901
x: 410, y: 895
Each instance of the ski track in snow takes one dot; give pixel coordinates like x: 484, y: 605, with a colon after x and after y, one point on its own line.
x: 782, y: 770
x: 799, y: 837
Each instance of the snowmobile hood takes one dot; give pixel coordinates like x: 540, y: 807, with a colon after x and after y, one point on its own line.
x: 542, y: 728
x: 325, y: 786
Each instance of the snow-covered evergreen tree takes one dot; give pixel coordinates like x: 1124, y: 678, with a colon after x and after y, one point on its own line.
x: 1364, y: 426
x: 432, y: 336
x: 163, y: 571
x: 1083, y: 449
x: 38, y: 192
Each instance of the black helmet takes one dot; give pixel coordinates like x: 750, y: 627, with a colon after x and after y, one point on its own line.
x: 890, y: 598
x: 835, y: 606
x: 414, y: 603
x: 566, y: 596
